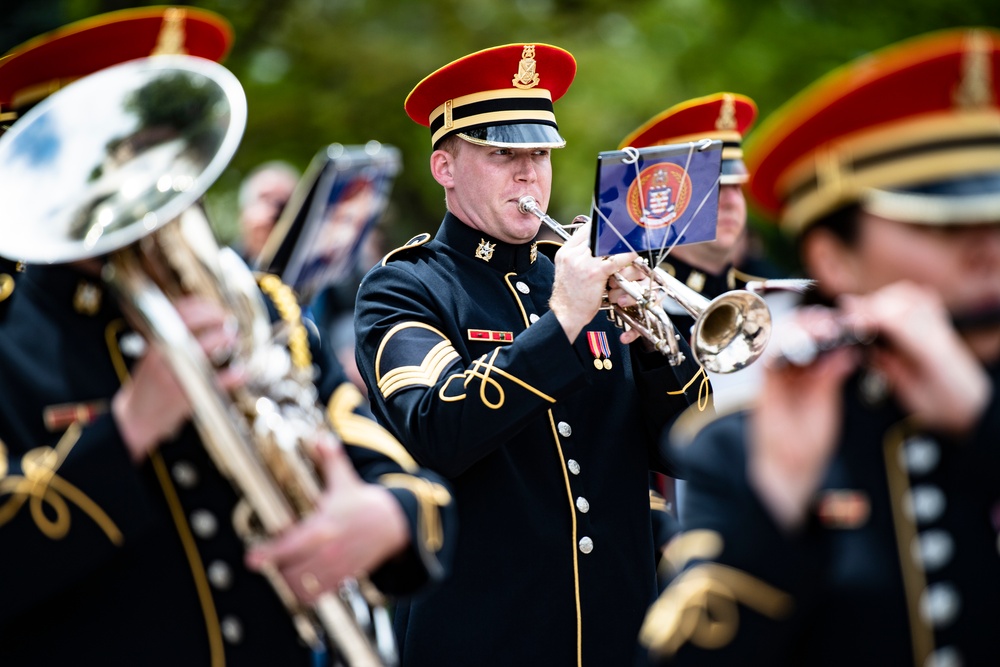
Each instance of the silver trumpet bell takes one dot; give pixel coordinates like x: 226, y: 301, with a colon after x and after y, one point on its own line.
x: 113, y: 166
x: 730, y: 331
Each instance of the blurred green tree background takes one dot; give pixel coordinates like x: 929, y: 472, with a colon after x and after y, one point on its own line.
x: 323, y: 71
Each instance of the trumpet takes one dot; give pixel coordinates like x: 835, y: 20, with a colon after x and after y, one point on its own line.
x: 730, y: 331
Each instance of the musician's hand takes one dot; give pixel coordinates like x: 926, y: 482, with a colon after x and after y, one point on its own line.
x: 581, y: 282
x: 356, y: 528
x: 794, y: 426
x: 931, y: 371
x: 151, y: 406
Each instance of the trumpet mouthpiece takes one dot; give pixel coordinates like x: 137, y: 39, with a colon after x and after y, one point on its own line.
x: 526, y: 203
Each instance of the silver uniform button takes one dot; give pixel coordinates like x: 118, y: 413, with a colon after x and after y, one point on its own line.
x: 586, y: 545
x: 573, y: 466
x: 925, y: 503
x: 204, y: 524
x: 185, y: 474
x: 920, y: 454
x: 132, y: 345
x: 565, y: 430
x: 940, y: 604
x: 932, y: 548
x: 533, y: 318
x: 220, y: 575
x: 583, y: 504
x: 522, y: 287
x: 232, y: 629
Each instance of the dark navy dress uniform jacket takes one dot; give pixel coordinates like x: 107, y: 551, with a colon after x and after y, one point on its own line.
x: 548, y: 455
x: 898, y: 563
x: 106, y: 562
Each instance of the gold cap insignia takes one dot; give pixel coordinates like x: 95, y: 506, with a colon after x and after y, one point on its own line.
x: 485, y: 250
x: 526, y: 76
x: 171, y: 39
x: 975, y: 90
x: 727, y: 114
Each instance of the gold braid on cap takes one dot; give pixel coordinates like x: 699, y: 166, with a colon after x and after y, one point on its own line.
x: 171, y: 39
x: 727, y: 114
x: 975, y: 90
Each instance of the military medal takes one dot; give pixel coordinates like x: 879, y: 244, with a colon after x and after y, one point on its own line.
x: 598, y: 342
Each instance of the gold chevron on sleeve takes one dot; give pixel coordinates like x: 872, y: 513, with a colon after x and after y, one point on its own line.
x: 437, y: 359
x: 700, y: 606
x: 657, y: 503
x: 359, y: 431
x: 431, y: 497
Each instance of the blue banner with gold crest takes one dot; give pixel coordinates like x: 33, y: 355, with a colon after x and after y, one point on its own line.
x: 650, y: 199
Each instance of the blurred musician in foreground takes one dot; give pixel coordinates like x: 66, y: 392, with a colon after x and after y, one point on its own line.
x: 849, y: 515
x: 119, y: 543
x: 492, y: 364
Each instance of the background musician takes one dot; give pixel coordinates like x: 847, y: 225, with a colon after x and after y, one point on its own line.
x: 119, y: 544
x: 849, y: 515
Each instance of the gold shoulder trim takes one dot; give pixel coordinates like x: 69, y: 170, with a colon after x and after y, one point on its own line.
x: 415, y: 242
x: 360, y: 431
x: 288, y: 307
x: 701, y: 607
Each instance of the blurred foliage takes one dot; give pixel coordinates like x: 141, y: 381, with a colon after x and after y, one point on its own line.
x: 324, y: 71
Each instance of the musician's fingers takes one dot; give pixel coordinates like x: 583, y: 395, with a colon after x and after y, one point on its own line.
x: 629, y: 336
x: 581, y: 237
x: 615, y: 263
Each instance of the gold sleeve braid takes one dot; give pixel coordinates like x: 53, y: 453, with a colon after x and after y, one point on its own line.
x: 360, y: 431
x: 431, y: 496
x: 41, y: 486
x: 704, y: 389
x: 657, y: 503
x: 700, y: 606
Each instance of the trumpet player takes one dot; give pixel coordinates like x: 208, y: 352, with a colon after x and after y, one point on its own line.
x: 849, y: 514
x: 119, y: 545
x: 488, y: 360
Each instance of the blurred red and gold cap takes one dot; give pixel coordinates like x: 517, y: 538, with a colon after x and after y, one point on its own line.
x: 37, y: 68
x: 500, y: 96
x: 721, y: 116
x: 910, y: 132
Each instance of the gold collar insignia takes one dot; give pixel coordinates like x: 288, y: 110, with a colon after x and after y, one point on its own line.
x: 485, y: 250
x: 87, y: 299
